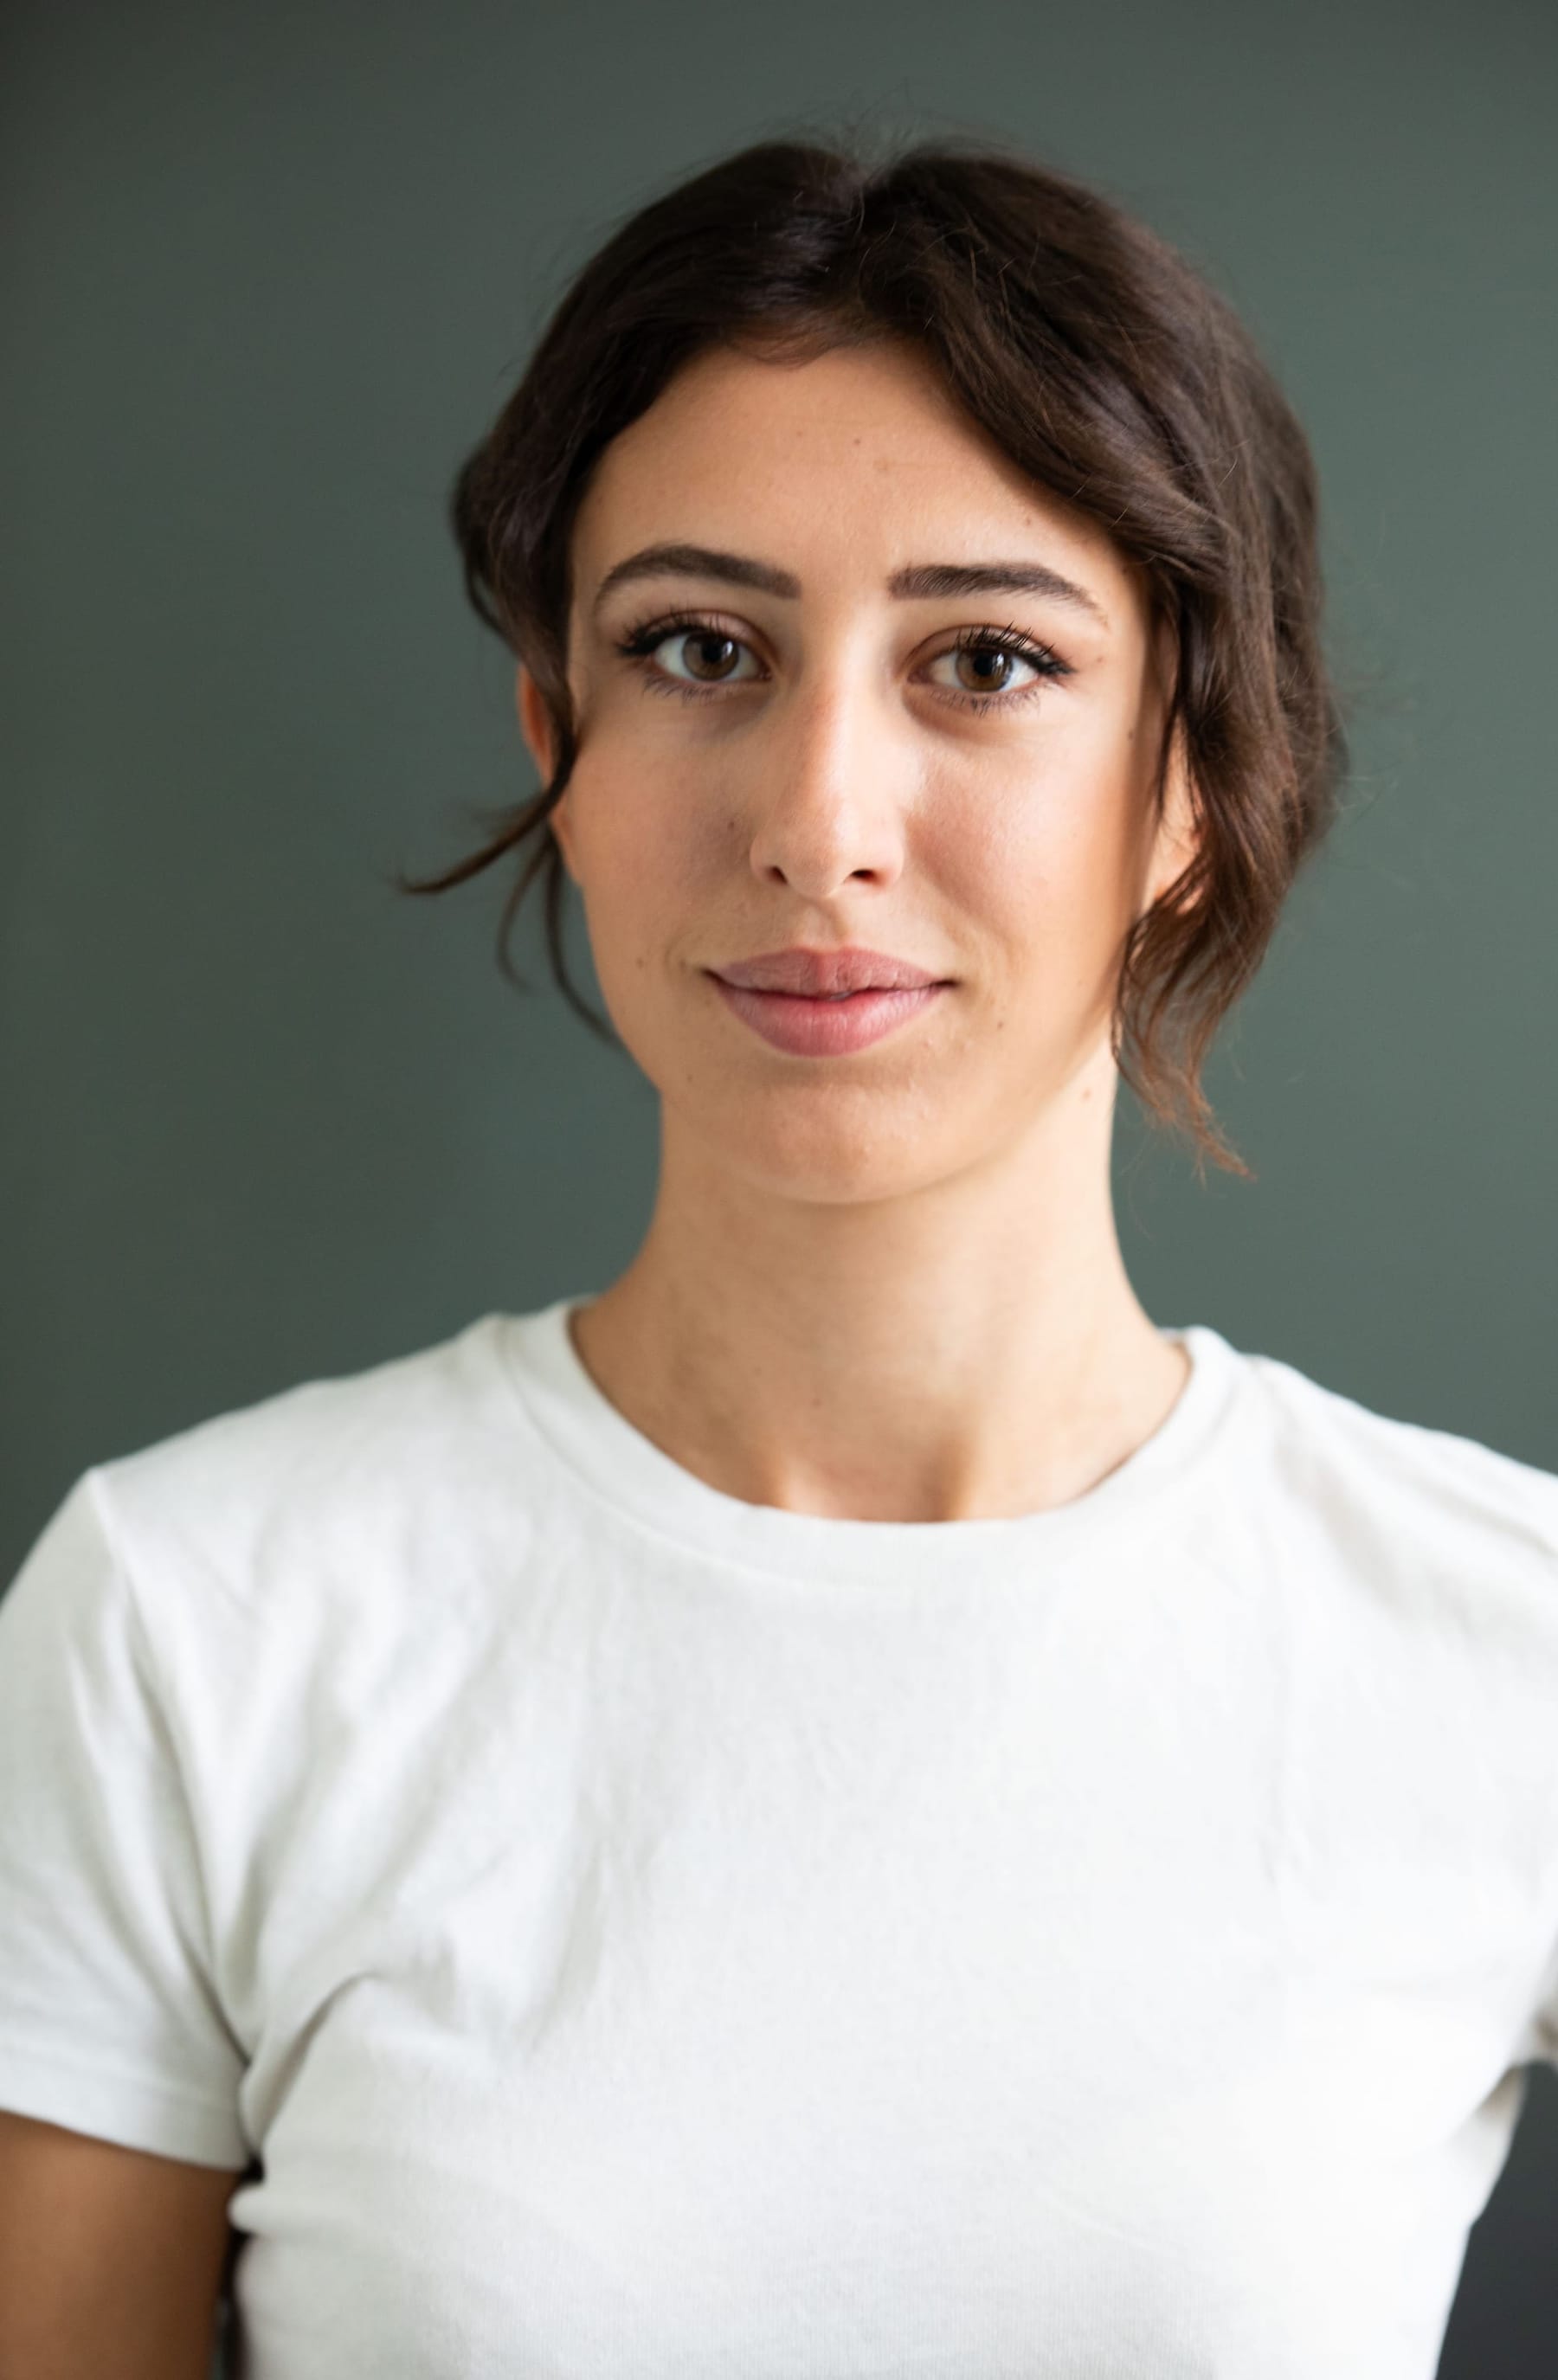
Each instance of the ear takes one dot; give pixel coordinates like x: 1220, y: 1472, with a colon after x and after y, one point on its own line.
x: 535, y: 725
x: 1177, y: 833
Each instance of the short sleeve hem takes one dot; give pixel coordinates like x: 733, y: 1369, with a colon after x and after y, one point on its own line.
x: 112, y: 2104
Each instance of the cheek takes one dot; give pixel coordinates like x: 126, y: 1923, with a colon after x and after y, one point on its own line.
x: 1044, y: 862
x: 649, y: 866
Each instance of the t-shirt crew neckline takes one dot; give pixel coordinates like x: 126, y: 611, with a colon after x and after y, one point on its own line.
x: 627, y: 1472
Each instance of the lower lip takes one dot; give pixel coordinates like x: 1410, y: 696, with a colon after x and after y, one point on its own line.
x: 825, y: 1028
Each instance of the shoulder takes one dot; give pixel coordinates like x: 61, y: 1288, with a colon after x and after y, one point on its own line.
x: 1447, y: 1499
x: 322, y: 1473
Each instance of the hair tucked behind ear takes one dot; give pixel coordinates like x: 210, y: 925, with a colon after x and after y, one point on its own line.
x: 1103, y: 365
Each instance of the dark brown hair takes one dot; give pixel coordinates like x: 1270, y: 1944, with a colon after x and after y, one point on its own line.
x: 1108, y: 369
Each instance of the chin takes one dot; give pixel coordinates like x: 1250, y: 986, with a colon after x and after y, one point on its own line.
x: 828, y: 1148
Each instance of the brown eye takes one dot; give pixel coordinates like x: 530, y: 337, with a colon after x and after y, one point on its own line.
x: 708, y: 653
x: 985, y: 659
x: 985, y: 668
x: 713, y: 652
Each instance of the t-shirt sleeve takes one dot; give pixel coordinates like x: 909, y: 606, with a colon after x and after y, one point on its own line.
x: 110, y: 2019
x: 1539, y: 2042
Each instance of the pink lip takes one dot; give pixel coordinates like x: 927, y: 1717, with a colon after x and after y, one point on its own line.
x: 851, y: 968
x: 811, y: 1026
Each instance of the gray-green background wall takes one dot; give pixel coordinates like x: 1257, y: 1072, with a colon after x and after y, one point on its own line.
x: 268, y: 270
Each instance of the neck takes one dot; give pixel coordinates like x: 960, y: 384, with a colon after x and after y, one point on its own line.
x: 971, y: 1348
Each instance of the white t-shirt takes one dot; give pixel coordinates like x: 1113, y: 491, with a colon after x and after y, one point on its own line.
x: 614, y: 1931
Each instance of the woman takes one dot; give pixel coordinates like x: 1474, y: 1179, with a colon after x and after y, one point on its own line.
x: 849, y: 1803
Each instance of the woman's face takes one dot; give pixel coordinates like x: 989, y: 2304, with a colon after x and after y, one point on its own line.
x: 807, y: 758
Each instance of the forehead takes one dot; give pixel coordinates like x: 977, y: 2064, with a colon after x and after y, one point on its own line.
x: 856, y: 456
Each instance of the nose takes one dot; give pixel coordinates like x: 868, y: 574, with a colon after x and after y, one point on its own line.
x: 826, y: 804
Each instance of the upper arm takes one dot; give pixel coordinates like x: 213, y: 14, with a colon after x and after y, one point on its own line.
x: 113, y: 2016
x: 111, y: 2258
x: 112, y: 2028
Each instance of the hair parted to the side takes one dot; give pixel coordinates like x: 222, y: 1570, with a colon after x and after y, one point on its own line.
x: 1107, y: 368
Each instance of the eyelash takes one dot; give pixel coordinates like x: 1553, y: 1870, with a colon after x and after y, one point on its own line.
x: 639, y: 643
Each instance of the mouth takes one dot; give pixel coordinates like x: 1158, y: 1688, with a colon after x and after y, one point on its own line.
x: 825, y: 974
x: 827, y: 1024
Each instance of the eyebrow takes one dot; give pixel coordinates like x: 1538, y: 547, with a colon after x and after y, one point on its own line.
x: 916, y: 583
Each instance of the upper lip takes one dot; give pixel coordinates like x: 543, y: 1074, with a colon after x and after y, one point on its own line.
x: 817, y: 974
